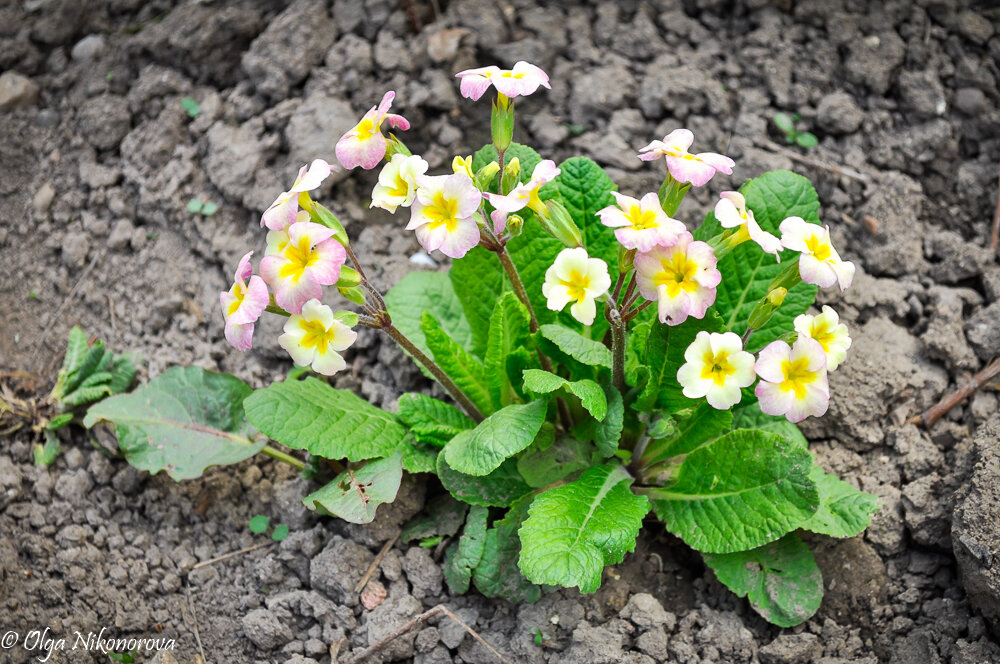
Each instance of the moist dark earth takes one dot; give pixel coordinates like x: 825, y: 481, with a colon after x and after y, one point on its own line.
x: 98, y: 160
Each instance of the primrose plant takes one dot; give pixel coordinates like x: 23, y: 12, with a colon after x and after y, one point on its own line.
x: 603, y: 360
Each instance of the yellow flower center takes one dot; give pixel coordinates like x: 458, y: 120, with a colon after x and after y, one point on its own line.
x: 239, y: 293
x: 577, y: 285
x: 823, y: 334
x: 797, y: 376
x: 641, y: 219
x: 509, y: 74
x: 442, y: 211
x: 299, y: 257
x: 819, y: 249
x: 677, y: 275
x: 717, y: 367
x: 316, y: 335
x: 366, y: 129
x: 400, y: 187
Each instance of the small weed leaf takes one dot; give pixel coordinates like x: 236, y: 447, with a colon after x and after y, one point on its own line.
x: 259, y: 523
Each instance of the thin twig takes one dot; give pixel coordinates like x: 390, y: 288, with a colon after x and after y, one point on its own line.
x: 413, y: 624
x: 374, y: 566
x: 226, y: 556
x: 937, y: 411
x: 194, y: 625
x: 995, y: 233
x: 833, y: 168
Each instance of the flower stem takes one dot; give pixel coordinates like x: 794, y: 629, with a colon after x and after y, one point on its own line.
x: 617, y: 345
x: 635, y: 312
x: 429, y: 364
x: 275, y: 453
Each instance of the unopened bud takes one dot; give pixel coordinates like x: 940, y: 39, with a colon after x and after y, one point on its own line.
x: 777, y: 296
x: 511, y: 174
x: 560, y: 225
x: 321, y: 215
x: 462, y: 165
x: 502, y: 122
x: 626, y: 259
x: 515, y: 224
x: 354, y: 294
x: 485, y: 175
x: 349, y: 277
x: 396, y: 146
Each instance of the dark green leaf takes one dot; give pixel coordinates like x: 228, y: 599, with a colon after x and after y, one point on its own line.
x: 590, y: 394
x: 464, y: 555
x: 575, y: 345
x: 584, y: 188
x: 543, y: 466
x: 747, y: 415
x: 500, y: 436
x: 497, y: 574
x: 432, y: 421
x: 498, y: 489
x: 693, y: 427
x: 354, y: 495
x: 442, y: 515
x: 418, y: 457
x: 509, y: 332
x: 461, y: 366
x: 418, y: 292
x: 664, y: 355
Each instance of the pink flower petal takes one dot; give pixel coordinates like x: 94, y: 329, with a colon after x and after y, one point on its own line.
x: 239, y: 336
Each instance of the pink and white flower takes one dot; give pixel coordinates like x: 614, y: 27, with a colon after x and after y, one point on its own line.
x: 831, y: 334
x: 397, y: 182
x: 281, y: 214
x: 445, y: 214
x: 681, y: 278
x: 522, y: 80
x: 732, y: 212
x: 364, y: 145
x: 525, y: 194
x: 310, y: 259
x: 641, y: 224
x: 716, y: 367
x: 315, y: 337
x: 819, y: 262
x: 793, y: 379
x: 576, y: 277
x: 697, y: 169
x: 243, y: 304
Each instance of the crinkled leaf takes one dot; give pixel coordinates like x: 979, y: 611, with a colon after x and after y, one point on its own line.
x: 780, y: 579
x: 122, y: 372
x: 584, y: 188
x: 354, y: 495
x: 747, y: 415
x: 497, y: 574
x: 500, y: 436
x: 573, y: 531
x: 693, y: 427
x: 442, y: 515
x: 509, y: 332
x: 310, y: 415
x: 636, y: 371
x: 432, y: 421
x: 545, y: 465
x: 463, y: 556
x: 575, y: 345
x: 590, y: 394
x: 498, y: 489
x: 183, y: 421
x: 740, y: 491
x: 665, y: 346
x: 418, y: 292
x: 747, y: 270
x: 606, y: 434
x: 461, y: 366
x: 84, y: 395
x: 418, y: 457
x: 843, y: 510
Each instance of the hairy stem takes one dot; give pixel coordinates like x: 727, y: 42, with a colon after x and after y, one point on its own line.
x: 439, y: 374
x: 617, y: 345
x: 515, y: 280
x: 275, y: 453
x: 635, y: 312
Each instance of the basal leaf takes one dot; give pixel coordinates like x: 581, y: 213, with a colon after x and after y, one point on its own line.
x: 582, y: 349
x: 590, y: 394
x: 497, y: 574
x: 500, y: 436
x: 418, y: 292
x: 498, y: 489
x: 442, y: 515
x: 334, y: 424
x: 182, y: 421
x: 354, y: 495
x: 478, y: 281
x: 780, y: 579
x: 122, y: 372
x: 584, y: 188
x: 747, y: 271
x: 665, y: 346
x: 430, y: 420
x: 694, y: 427
x: 843, y: 510
x: 418, y: 457
x: 740, y: 491
x: 461, y: 366
x: 509, y: 332
x: 747, y: 415
x: 463, y: 556
x: 543, y: 466
x: 572, y: 532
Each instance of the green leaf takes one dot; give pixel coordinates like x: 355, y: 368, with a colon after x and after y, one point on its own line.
x: 575, y: 345
x: 843, y: 510
x: 90, y: 364
x: 354, y: 495
x: 258, y: 523
x: 694, y: 428
x: 122, y: 373
x: 279, y: 533
x: 59, y: 421
x: 418, y: 292
x: 461, y: 366
x: 509, y: 332
x: 747, y: 271
x: 432, y: 421
x: 784, y: 122
x: 500, y: 436
x: 606, y: 434
x: 740, y: 491
x: 665, y: 347
x: 183, y: 421
x: 76, y: 350
x: 194, y: 205
x: 498, y: 489
x: 636, y: 370
x: 47, y: 453
x: 191, y: 107
x: 590, y: 394
x: 780, y: 579
x: 442, y: 515
x: 334, y: 424
x: 806, y: 140
x: 584, y: 188
x: 463, y: 556
x: 209, y: 208
x: 418, y: 457
x: 572, y: 532
x: 478, y: 281
x: 747, y: 415
x: 541, y: 467
x: 97, y: 379
x: 497, y: 574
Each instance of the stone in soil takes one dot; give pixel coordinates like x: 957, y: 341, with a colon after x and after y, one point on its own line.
x: 16, y: 91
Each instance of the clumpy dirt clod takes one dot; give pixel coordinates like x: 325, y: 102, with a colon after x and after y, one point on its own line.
x: 98, y: 160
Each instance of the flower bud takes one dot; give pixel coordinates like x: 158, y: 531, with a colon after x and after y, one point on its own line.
x: 514, y: 224
x: 502, y: 122
x: 511, y: 175
x: 321, y: 215
x: 349, y: 277
x: 396, y: 146
x: 777, y: 296
x: 462, y: 165
x: 353, y: 293
x: 484, y: 177
x: 558, y: 223
x: 625, y: 259
x: 348, y: 318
